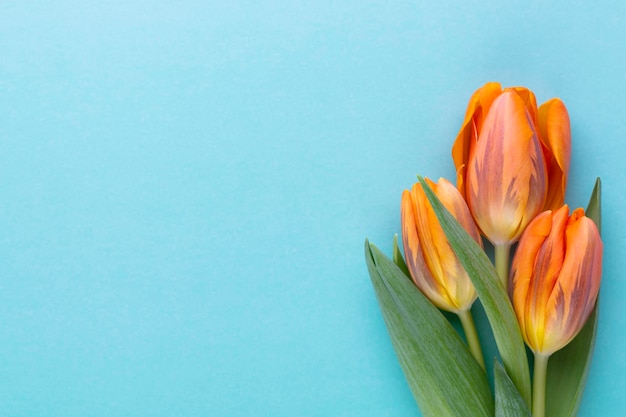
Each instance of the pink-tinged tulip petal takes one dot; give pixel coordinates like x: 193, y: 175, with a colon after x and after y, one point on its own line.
x: 555, y: 278
x: 506, y: 174
x: 434, y: 267
x: 555, y: 134
x: 574, y: 296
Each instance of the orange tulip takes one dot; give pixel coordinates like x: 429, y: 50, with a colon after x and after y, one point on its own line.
x: 555, y: 278
x: 512, y: 159
x: 434, y: 267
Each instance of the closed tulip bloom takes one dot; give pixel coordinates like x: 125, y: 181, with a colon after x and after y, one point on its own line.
x: 555, y: 278
x: 512, y: 159
x: 434, y: 267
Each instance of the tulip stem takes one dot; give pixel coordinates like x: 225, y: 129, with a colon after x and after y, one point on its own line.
x: 472, y: 337
x: 502, y: 252
x: 539, y: 385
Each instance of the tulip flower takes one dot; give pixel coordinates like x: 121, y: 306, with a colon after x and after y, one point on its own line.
x: 434, y: 267
x: 512, y: 162
x: 555, y: 278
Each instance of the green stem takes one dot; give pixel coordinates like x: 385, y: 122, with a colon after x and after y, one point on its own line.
x: 472, y: 337
x: 539, y: 385
x: 502, y: 262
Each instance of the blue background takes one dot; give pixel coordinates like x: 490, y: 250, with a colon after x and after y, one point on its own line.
x: 185, y: 189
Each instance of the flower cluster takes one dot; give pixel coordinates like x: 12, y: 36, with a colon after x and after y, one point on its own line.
x: 512, y: 160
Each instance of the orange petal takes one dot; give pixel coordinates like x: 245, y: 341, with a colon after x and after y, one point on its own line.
x: 453, y: 201
x: 555, y: 135
x: 574, y: 296
x: 522, y: 271
x: 415, y: 258
x: 530, y: 102
x: 475, y: 115
x: 455, y: 278
x: 506, y: 174
x: 546, y: 269
x: 438, y: 254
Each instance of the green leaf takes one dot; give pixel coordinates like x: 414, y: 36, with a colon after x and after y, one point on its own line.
x: 509, y: 403
x: 445, y: 379
x: 568, y: 368
x: 397, y: 257
x: 491, y: 293
x: 594, y: 208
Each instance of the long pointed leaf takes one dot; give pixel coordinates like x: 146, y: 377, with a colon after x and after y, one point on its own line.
x: 594, y: 208
x: 491, y: 293
x: 509, y: 403
x: 397, y: 257
x: 569, y: 367
x: 445, y: 379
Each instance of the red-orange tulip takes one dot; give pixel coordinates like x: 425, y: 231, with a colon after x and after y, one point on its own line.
x: 555, y: 278
x: 434, y: 267
x: 512, y: 159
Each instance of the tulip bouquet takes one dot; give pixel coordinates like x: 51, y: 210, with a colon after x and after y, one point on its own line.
x: 512, y: 162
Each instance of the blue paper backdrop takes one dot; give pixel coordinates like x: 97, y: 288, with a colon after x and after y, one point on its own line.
x: 185, y: 188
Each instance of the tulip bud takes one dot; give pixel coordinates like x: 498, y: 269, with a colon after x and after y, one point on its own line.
x: 434, y: 267
x: 555, y: 278
x: 512, y: 160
